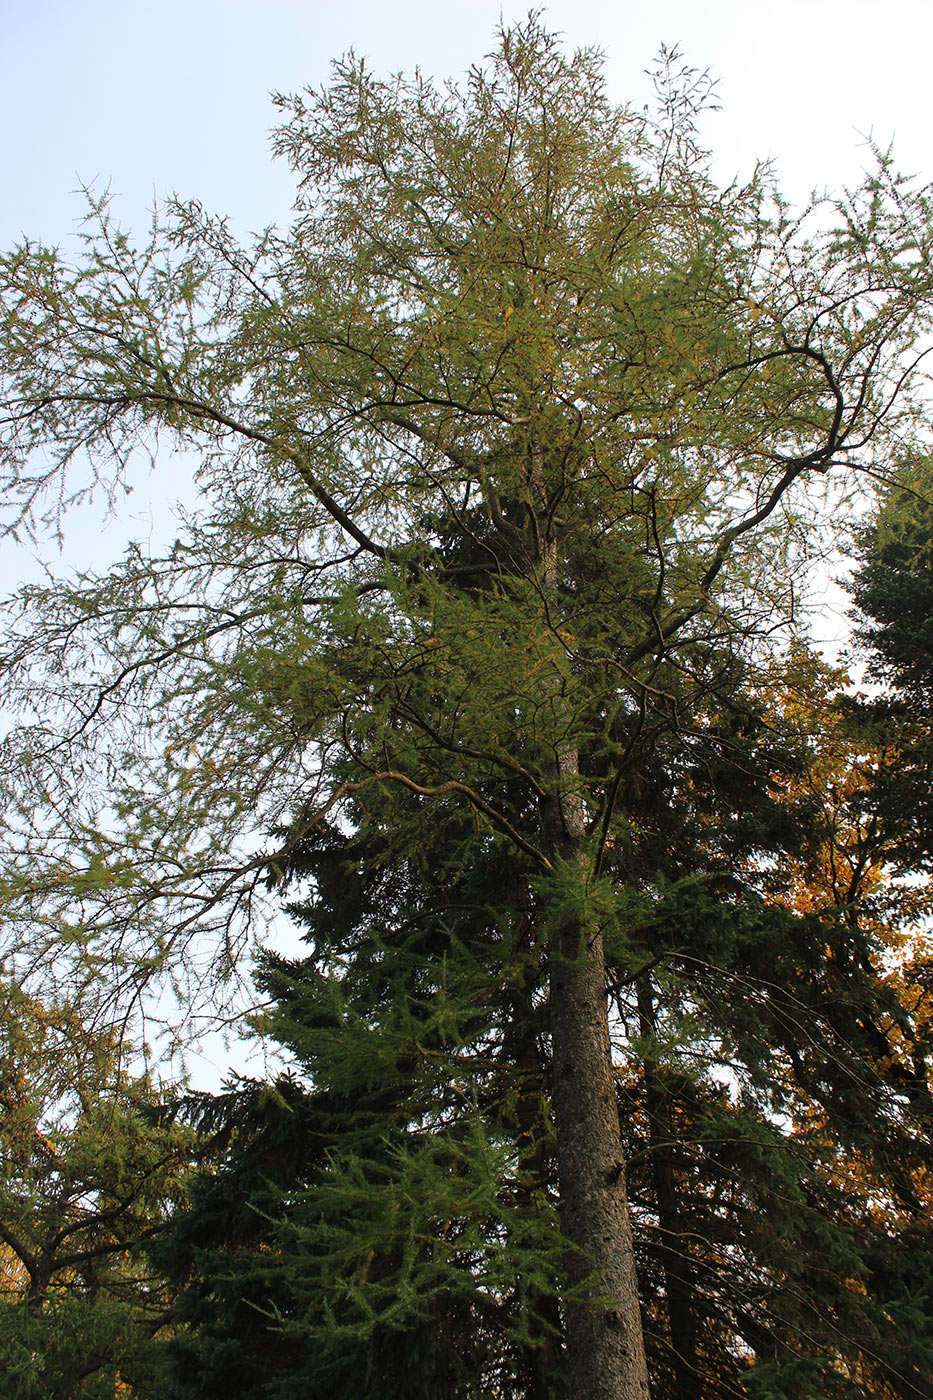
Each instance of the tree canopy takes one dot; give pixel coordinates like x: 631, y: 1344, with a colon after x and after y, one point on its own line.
x: 513, y: 451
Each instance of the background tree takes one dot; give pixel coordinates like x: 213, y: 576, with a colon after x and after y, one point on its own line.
x: 893, y: 591
x: 87, y: 1180
x: 778, y: 1138
x: 521, y: 410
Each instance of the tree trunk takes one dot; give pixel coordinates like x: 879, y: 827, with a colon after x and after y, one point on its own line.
x: 605, y: 1347
x: 604, y: 1342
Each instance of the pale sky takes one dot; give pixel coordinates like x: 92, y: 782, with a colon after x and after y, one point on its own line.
x: 174, y: 96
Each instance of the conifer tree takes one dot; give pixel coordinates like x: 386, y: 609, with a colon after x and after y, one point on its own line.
x: 754, y: 1112
x: 393, y: 1206
x: 893, y: 595
x: 520, y: 412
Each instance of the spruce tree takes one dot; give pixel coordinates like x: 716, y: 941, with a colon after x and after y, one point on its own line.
x: 756, y: 1108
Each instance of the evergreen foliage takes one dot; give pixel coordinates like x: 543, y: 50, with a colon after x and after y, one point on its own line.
x: 512, y: 450
x: 395, y: 1197
x: 893, y: 594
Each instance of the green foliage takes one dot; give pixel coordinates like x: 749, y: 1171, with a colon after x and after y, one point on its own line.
x: 396, y: 1199
x: 511, y: 324
x: 391, y: 1217
x: 512, y: 449
x: 893, y: 588
x: 86, y: 1180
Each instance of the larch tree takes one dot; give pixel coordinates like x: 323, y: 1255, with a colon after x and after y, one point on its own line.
x: 521, y: 411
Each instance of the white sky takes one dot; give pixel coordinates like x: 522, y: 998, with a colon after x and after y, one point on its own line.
x: 173, y: 97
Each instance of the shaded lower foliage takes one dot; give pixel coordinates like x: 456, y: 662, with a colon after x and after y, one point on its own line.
x: 383, y: 1221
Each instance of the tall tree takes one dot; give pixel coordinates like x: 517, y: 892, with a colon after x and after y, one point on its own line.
x: 521, y: 409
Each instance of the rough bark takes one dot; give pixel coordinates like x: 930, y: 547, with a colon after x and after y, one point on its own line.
x: 605, y: 1348
x: 604, y: 1342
